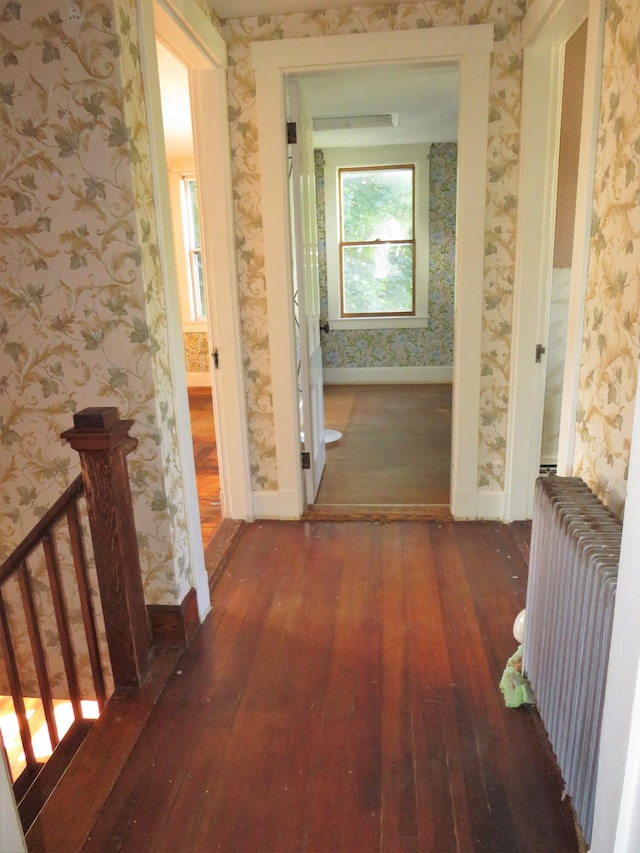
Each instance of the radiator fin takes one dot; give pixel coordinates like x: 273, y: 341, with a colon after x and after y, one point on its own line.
x: 573, y: 570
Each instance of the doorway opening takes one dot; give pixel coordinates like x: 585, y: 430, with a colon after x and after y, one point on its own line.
x: 202, y: 50
x: 541, y: 255
x: 469, y: 49
x: 558, y: 308
x: 394, y: 456
x: 188, y: 223
x: 387, y: 379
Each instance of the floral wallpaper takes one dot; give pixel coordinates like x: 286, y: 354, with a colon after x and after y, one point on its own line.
x: 432, y: 346
x: 196, y: 352
x: 502, y: 174
x: 611, y: 347
x: 82, y: 318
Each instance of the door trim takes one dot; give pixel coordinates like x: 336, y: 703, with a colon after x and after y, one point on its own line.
x: 199, y: 45
x: 544, y: 38
x: 468, y: 46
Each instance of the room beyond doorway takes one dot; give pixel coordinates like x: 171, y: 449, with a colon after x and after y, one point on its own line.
x: 394, y: 457
x: 205, y: 454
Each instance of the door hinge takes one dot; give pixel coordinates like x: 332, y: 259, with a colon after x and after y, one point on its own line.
x: 292, y: 133
x: 540, y: 351
x: 215, y: 355
x: 306, y: 460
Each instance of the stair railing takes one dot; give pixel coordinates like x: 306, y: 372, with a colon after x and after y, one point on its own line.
x: 99, y: 498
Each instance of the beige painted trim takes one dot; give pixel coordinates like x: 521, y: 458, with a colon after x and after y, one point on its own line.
x: 470, y: 47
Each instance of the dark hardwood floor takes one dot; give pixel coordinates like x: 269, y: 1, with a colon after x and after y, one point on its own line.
x: 393, y: 460
x: 206, y: 460
x: 396, y: 446
x: 341, y: 696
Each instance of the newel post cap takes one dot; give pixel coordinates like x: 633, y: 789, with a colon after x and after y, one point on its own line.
x: 98, y: 428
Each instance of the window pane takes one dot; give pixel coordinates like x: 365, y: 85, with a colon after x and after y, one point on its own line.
x: 377, y: 279
x: 377, y: 204
x: 197, y: 275
x: 195, y: 213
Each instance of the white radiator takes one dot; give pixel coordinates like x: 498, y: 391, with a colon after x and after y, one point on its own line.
x: 573, y: 570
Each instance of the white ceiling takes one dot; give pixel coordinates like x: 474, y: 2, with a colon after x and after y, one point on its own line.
x: 176, y: 107
x: 425, y: 100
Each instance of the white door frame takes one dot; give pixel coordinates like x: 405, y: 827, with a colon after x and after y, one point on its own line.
x: 470, y: 48
x: 545, y: 30
x: 196, y: 42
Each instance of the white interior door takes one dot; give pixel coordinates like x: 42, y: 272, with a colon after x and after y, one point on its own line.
x: 304, y: 241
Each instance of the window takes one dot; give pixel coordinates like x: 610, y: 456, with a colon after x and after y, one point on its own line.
x: 193, y: 248
x: 377, y: 243
x: 377, y: 236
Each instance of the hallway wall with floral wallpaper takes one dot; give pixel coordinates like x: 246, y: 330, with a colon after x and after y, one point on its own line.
x: 611, y: 343
x: 82, y: 307
x: 502, y: 176
x: 82, y: 312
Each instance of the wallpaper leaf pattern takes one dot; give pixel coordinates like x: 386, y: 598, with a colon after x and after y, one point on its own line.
x: 82, y: 319
x: 502, y: 175
x: 609, y: 366
x: 428, y: 347
x: 82, y: 307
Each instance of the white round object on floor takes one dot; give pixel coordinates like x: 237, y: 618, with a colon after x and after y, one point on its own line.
x: 518, y: 626
x: 330, y: 436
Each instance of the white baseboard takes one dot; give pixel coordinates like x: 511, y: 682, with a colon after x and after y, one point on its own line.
x: 395, y: 375
x: 491, y: 506
x: 478, y: 506
x: 198, y: 380
x: 276, y: 504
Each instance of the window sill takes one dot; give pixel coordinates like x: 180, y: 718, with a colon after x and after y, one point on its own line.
x: 194, y: 326
x: 342, y: 323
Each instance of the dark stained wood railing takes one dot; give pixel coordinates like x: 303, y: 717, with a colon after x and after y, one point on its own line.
x: 102, y: 439
x: 44, y: 541
x: 102, y: 496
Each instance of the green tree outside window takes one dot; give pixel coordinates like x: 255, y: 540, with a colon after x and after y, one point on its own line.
x: 377, y: 245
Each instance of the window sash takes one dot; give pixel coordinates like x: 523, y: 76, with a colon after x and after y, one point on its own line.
x: 344, y: 245
x: 195, y: 269
x: 347, y: 299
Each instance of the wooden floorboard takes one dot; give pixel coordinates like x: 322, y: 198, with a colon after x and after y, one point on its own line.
x: 395, y: 448
x: 205, y: 455
x: 393, y: 460
x: 343, y: 696
x: 68, y: 815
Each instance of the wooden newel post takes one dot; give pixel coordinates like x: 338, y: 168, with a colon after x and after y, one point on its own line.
x: 102, y: 440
